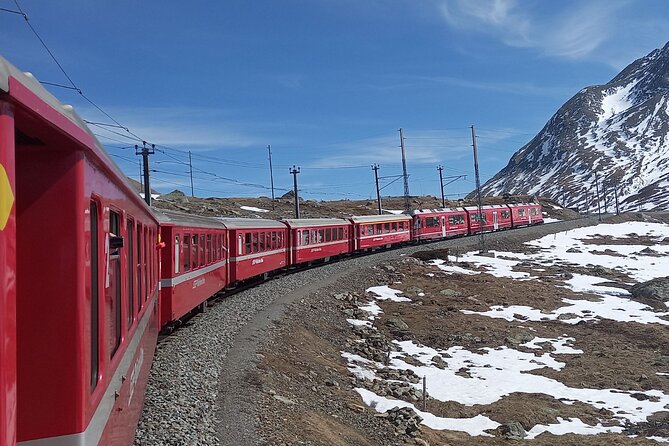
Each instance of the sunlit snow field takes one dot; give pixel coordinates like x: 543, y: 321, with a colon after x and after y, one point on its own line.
x: 497, y: 372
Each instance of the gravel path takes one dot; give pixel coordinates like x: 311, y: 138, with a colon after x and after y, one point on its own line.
x: 198, y: 392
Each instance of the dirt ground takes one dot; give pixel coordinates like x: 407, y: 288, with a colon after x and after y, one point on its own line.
x: 306, y: 391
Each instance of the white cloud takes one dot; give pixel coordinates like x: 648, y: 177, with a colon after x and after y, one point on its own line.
x: 576, y: 32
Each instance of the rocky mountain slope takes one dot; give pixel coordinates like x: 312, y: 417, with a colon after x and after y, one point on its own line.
x: 616, y: 134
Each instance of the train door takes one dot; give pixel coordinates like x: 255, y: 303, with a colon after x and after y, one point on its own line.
x: 443, y: 226
x: 495, y: 223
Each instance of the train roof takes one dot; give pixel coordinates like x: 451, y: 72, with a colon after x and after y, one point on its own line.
x: 434, y: 211
x: 487, y: 206
x: 167, y: 217
x: 250, y: 223
x: 308, y: 222
x: 379, y: 218
x: 21, y: 88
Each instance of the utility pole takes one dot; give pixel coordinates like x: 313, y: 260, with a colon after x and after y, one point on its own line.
x: 599, y: 210
x: 404, y: 171
x: 190, y: 165
x: 145, y: 152
x: 441, y: 182
x: 375, y: 168
x: 141, y: 173
x: 271, y: 173
x: 478, y: 190
x: 294, y: 171
x: 615, y: 195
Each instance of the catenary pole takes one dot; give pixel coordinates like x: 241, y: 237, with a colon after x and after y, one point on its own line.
x: 295, y: 171
x: 441, y: 183
x: 190, y: 165
x: 478, y: 190
x: 145, y: 152
x: 375, y: 168
x: 271, y: 173
x: 404, y: 171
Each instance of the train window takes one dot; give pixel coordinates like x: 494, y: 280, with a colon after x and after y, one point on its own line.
x: 273, y: 243
x: 209, y: 251
x: 386, y: 228
x: 341, y: 233
x: 95, y: 335
x: 255, y: 242
x: 220, y: 246
x: 393, y: 227
x: 139, y: 267
x: 247, y: 243
x: 321, y: 235
x: 186, y: 259
x: 131, y: 269
x: 147, y: 284
x: 203, y: 259
x: 379, y: 228
x: 535, y: 211
x: 505, y: 214
x: 194, y: 252
x: 177, y: 254
x: 432, y: 222
x: 261, y: 242
x: 114, y: 285
x: 521, y: 212
x: 328, y: 234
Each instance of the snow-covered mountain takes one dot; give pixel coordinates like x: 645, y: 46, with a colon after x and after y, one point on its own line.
x: 617, y: 133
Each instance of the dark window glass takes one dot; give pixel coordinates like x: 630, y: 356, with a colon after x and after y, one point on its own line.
x: 114, y: 303
x: 203, y: 259
x: 95, y: 333
x: 194, y: 252
x: 261, y: 244
x: 386, y: 228
x: 209, y: 251
x: 341, y: 233
x: 131, y: 268
x: 186, y: 256
x: 248, y: 243
x: 255, y: 242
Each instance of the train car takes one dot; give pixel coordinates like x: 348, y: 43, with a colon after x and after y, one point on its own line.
x: 255, y: 247
x: 492, y: 218
x: 86, y: 277
x: 525, y: 214
x: 375, y: 231
x: 438, y: 223
x: 318, y: 238
x: 7, y: 267
x: 194, y: 263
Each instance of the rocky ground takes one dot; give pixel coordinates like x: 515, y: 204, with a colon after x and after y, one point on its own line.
x: 305, y: 390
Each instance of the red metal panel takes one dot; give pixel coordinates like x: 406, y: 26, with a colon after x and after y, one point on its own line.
x: 244, y: 266
x: 7, y: 279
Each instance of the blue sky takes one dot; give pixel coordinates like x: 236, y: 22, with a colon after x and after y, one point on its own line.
x: 326, y: 82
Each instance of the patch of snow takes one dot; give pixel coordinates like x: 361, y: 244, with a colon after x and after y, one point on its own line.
x: 253, y: 209
x: 473, y: 426
x: 559, y: 345
x: 551, y: 220
x: 384, y: 292
x: 571, y: 426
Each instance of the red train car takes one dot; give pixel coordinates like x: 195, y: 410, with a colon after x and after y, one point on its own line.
x: 8, y: 266
x: 438, y: 223
x: 318, y: 238
x: 374, y: 231
x: 256, y: 246
x: 86, y: 275
x: 493, y: 218
x: 194, y: 263
x: 525, y: 214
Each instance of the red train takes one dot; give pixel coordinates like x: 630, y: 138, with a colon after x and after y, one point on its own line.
x: 77, y: 340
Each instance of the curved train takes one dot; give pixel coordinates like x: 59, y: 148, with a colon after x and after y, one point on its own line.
x: 91, y: 273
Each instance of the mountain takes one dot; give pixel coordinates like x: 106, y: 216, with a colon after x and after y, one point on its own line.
x: 616, y: 133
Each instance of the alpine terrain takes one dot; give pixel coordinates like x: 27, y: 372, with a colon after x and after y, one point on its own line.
x: 612, y: 138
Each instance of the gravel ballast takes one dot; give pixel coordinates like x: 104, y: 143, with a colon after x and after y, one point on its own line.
x: 198, y: 392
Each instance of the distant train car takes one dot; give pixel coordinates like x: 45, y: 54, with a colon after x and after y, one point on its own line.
x: 375, y: 231
x: 438, y: 223
x: 256, y: 247
x: 525, y: 214
x: 194, y: 262
x: 86, y: 275
x: 318, y: 238
x: 492, y: 218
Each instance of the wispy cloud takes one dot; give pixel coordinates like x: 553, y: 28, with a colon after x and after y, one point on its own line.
x: 575, y: 32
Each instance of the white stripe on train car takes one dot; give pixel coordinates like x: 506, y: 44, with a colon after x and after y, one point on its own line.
x: 167, y: 283
x: 318, y: 245
x: 94, y: 430
x: 382, y: 236
x: 257, y: 254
